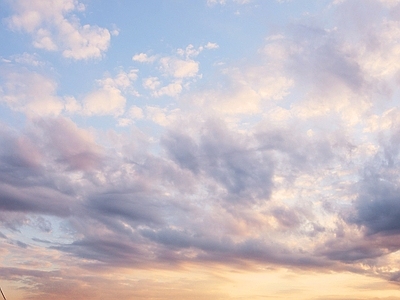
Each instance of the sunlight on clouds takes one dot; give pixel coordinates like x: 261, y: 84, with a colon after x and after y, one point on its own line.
x: 151, y: 83
x: 179, y: 68
x: 52, y: 30
x: 251, y: 156
x: 143, y: 58
x: 161, y: 116
x: 31, y: 93
x: 109, y: 99
x: 172, y: 90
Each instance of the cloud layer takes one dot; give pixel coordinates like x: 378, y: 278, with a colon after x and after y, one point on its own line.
x: 200, y: 170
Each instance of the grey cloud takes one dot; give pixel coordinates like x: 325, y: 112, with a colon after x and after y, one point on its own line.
x: 224, y: 156
x: 378, y: 207
x: 318, y: 59
x: 41, y: 241
x: 71, y: 145
x: 111, y: 250
x: 6, y: 273
x: 183, y: 149
x: 42, y: 224
x: 182, y: 239
x: 35, y: 199
x: 132, y: 207
x: 349, y: 251
x: 303, y: 153
x: 21, y: 244
x: 286, y: 217
x: 224, y: 249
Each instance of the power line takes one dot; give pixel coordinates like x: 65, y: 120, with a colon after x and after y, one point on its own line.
x: 4, y: 297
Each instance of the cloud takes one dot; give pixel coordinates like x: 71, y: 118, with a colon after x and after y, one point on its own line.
x: 161, y: 116
x: 210, y: 45
x: 244, y: 91
x: 53, y: 28
x: 143, y: 58
x: 171, y: 90
x: 109, y: 99
x: 30, y: 92
x: 71, y: 145
x: 35, y: 200
x: 179, y: 68
x: 242, y: 173
x: 151, y: 83
x: 223, y: 2
x: 176, y: 72
x: 287, y: 159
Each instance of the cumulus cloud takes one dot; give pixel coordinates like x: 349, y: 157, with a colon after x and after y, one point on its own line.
x: 151, y: 83
x: 179, y: 68
x: 110, y: 98
x: 244, y: 91
x: 30, y: 92
x: 143, y: 58
x: 53, y: 28
x: 171, y: 90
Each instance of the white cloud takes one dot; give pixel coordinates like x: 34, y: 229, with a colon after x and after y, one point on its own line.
x: 105, y: 101
x: 31, y: 93
x: 143, y: 58
x: 123, y: 122
x: 135, y: 112
x: 28, y: 59
x: 382, y: 61
x: 172, y: 90
x: 54, y: 29
x: 151, y: 83
x: 190, y: 51
x: 179, y: 68
x: 161, y: 116
x: 245, y: 90
x: 72, y: 105
x: 109, y: 98
x: 211, y: 46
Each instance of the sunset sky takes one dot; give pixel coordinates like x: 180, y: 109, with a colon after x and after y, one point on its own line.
x: 200, y: 149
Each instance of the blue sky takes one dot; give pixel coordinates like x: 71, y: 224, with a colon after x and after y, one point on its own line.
x: 208, y: 149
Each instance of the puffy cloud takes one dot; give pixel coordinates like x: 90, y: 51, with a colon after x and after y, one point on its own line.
x: 171, y: 90
x: 243, y: 174
x: 54, y: 29
x: 151, y: 83
x: 179, y: 68
x: 109, y: 99
x: 30, y: 92
x: 210, y: 45
x: 161, y: 116
x: 244, y: 91
x: 143, y: 58
x: 135, y: 112
x: 106, y: 101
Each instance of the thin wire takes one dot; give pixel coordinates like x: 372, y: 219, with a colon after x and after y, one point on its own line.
x: 4, y: 297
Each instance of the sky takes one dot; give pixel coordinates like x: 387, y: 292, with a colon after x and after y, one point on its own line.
x: 202, y: 149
